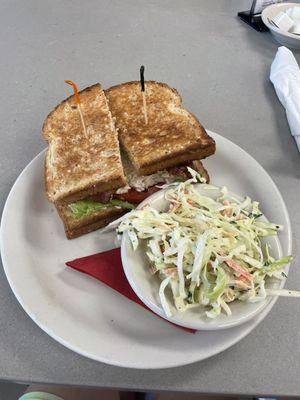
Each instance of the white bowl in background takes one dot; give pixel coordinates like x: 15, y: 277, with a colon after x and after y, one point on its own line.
x: 285, y: 38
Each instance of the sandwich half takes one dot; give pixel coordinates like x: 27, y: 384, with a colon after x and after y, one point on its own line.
x: 82, y: 161
x: 172, y: 135
x: 78, y: 163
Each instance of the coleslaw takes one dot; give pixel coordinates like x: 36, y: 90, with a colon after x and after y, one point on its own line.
x: 208, y: 252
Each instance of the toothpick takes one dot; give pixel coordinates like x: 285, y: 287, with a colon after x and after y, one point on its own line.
x: 82, y: 120
x: 78, y: 102
x: 142, y: 69
x: 145, y: 107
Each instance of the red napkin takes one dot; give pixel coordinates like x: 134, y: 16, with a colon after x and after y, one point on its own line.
x: 107, y: 267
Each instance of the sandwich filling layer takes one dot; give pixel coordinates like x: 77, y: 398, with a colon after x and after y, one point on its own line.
x: 138, y: 188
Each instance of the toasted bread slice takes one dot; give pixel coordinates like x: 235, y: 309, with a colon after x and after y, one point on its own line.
x: 77, y: 164
x: 172, y: 136
x: 75, y: 227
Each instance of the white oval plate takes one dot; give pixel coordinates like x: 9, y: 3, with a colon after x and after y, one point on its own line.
x: 85, y: 315
x: 146, y: 285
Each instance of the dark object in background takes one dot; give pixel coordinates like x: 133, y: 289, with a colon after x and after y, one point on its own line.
x: 253, y: 20
x: 253, y: 16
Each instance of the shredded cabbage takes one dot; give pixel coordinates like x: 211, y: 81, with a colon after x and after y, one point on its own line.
x: 208, y: 251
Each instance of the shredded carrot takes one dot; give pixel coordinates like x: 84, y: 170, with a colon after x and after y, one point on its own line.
x: 170, y: 271
x: 228, y: 211
x: 76, y: 94
x: 243, y: 278
x: 239, y: 269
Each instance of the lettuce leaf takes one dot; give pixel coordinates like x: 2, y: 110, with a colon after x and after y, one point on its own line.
x: 84, y: 208
x: 122, y: 204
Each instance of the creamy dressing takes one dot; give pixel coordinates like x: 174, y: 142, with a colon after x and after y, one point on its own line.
x: 141, y: 183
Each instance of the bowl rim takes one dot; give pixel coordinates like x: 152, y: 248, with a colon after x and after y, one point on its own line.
x: 159, y: 311
x: 265, y: 16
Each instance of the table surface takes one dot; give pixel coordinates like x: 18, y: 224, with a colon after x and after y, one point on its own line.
x: 221, y: 68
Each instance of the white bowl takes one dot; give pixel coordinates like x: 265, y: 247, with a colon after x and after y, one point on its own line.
x: 146, y: 285
x: 285, y: 38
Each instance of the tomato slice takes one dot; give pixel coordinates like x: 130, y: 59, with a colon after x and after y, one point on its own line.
x: 133, y: 196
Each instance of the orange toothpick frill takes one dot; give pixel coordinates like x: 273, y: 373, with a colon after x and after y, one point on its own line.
x: 77, y: 100
x: 74, y: 86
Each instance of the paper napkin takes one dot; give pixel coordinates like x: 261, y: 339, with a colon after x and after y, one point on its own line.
x: 285, y: 76
x: 107, y: 268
